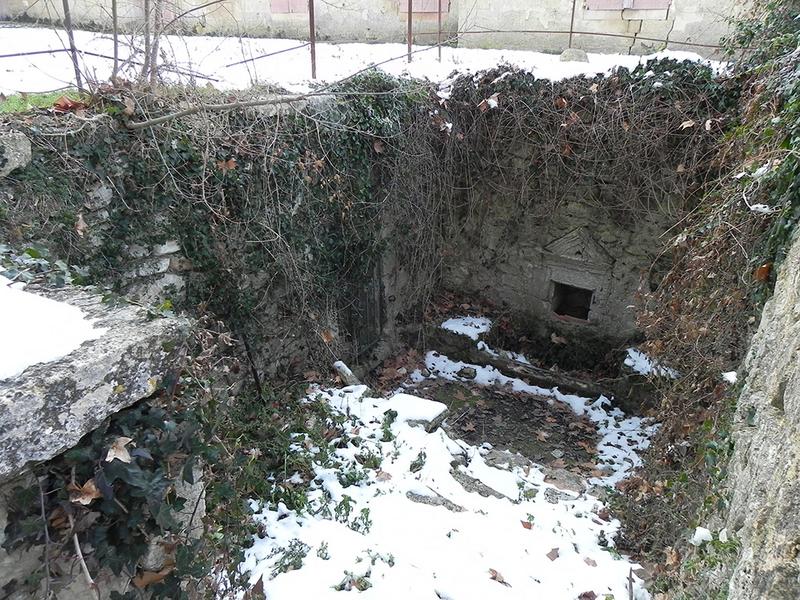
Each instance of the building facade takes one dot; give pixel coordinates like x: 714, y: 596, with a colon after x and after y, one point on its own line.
x: 634, y: 26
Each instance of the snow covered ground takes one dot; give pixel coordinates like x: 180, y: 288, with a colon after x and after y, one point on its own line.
x: 409, y: 529
x: 391, y: 515
x: 35, y: 329
x: 213, y: 58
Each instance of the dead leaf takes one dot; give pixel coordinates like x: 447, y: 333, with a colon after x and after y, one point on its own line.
x: 561, y: 103
x: 527, y: 524
x: 469, y: 426
x: 496, y: 576
x: 688, y: 124
x: 129, y: 107
x: 119, y: 451
x: 542, y: 436
x: 383, y: 476
x: 626, y: 126
x: 378, y: 146
x: 312, y: 376
x: 66, y: 104
x: 673, y: 557
x: 327, y: 336
x: 80, y: 226
x: 226, y: 165
x: 83, y: 494
x: 588, y: 596
x: 557, y: 339
x: 593, y: 88
x: 590, y: 561
x: 258, y: 589
x: 681, y: 168
x: 553, y: 554
x: 762, y: 273
x: 147, y: 577
x: 566, y: 150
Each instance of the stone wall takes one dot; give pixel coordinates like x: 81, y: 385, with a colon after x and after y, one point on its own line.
x: 699, y: 21
x: 525, y: 259
x: 764, y: 475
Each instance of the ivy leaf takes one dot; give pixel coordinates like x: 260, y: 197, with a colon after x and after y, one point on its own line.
x: 187, y: 474
x: 141, y: 453
x: 119, y: 451
x: 83, y: 494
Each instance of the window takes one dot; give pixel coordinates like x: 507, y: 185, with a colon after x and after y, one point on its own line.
x: 571, y: 301
x: 289, y: 6
x: 424, y: 6
x: 632, y: 4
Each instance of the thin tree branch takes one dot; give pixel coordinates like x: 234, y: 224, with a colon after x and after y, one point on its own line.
x: 89, y: 581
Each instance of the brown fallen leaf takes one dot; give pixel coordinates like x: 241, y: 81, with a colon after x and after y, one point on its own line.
x: 83, y: 494
x: 496, y: 576
x: 553, y: 554
x: 762, y: 273
x: 66, y: 104
x: 226, y: 165
x: 588, y: 596
x: 527, y: 524
x: 561, y: 103
x: 688, y: 124
x: 119, y: 451
x: 129, y: 107
x: 542, y: 436
x: 80, y: 226
x: 590, y: 561
x: 327, y: 336
x: 383, y: 476
x: 145, y: 578
x: 470, y: 426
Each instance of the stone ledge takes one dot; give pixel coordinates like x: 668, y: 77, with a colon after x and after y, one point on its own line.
x: 48, y: 408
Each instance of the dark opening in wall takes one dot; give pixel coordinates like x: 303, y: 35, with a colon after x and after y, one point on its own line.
x: 571, y: 301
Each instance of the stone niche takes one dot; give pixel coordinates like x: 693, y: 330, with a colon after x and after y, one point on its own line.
x: 573, y: 280
x: 576, y: 270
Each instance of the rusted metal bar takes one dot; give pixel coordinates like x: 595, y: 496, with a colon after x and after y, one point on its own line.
x: 73, y: 51
x: 439, y: 39
x: 572, y: 23
x: 410, y: 33
x: 312, y: 38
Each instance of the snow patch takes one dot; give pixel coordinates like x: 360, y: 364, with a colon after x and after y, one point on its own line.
x: 448, y: 545
x: 471, y: 327
x: 644, y: 365
x: 34, y: 329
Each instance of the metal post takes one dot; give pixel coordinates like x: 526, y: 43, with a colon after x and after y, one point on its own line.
x: 410, y: 30
x: 73, y: 51
x: 440, y: 30
x: 312, y: 38
x: 572, y: 22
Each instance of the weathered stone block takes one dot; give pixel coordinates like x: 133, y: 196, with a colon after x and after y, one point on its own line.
x: 15, y: 151
x: 48, y: 407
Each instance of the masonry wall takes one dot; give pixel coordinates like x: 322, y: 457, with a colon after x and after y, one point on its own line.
x: 518, y: 257
x: 698, y: 21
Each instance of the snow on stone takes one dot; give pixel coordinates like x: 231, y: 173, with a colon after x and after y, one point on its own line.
x: 446, y: 544
x: 471, y: 327
x: 214, y: 57
x: 701, y: 536
x: 621, y: 437
x: 34, y: 329
x: 644, y: 365
x: 730, y: 376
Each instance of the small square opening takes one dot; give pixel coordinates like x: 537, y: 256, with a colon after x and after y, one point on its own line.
x: 571, y: 301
